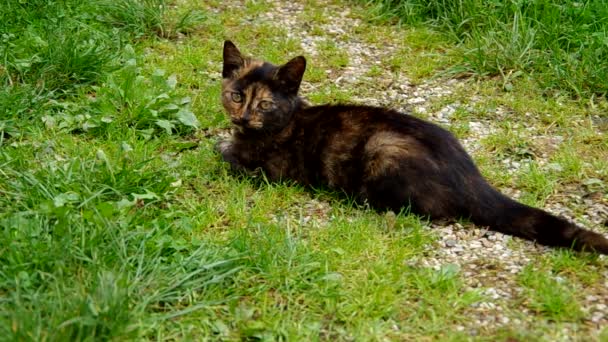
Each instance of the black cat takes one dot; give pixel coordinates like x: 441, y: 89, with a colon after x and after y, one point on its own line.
x: 381, y: 156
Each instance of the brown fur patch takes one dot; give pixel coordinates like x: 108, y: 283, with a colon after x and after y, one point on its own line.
x: 385, y: 149
x: 339, y: 150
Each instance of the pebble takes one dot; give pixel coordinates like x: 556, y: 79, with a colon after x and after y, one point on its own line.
x: 416, y: 100
x: 450, y: 243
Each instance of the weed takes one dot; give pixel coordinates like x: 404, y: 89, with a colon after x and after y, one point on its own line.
x: 563, y: 44
x: 549, y: 296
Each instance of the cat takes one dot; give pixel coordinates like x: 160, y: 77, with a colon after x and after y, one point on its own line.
x: 385, y: 158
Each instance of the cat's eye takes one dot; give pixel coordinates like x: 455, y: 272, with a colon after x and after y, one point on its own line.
x: 265, y: 105
x: 237, y: 97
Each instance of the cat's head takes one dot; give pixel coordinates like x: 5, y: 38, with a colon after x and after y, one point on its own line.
x: 258, y: 95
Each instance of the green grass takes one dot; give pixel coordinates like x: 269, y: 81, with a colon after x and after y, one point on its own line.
x: 560, y: 45
x: 550, y: 296
x: 118, y: 221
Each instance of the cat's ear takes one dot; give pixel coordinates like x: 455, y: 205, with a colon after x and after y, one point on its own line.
x: 291, y: 73
x: 233, y: 60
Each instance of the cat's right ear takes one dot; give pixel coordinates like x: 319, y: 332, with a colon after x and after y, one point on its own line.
x: 291, y: 73
x: 233, y: 60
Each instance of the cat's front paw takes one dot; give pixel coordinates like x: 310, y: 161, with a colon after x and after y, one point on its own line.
x: 225, y: 148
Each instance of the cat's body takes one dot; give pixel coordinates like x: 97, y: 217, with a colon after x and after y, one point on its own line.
x: 385, y: 158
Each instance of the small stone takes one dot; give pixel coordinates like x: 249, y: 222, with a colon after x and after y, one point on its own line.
x: 421, y: 109
x: 475, y: 244
x: 597, y: 317
x: 450, y: 243
x: 590, y: 298
x: 487, y: 243
x: 416, y: 100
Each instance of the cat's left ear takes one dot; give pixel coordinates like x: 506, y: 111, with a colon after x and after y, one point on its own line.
x: 291, y: 73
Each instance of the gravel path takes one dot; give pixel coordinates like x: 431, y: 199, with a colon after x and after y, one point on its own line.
x: 489, y: 261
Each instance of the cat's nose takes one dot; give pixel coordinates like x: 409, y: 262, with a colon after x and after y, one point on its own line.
x: 240, y: 121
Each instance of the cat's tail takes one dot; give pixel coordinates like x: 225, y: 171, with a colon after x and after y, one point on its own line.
x: 500, y: 213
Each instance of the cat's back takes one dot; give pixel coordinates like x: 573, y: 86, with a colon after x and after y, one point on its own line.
x: 349, y: 143
x: 354, y: 124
